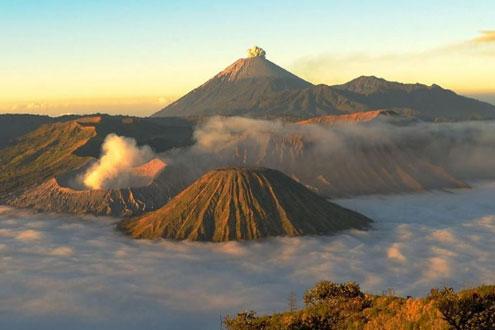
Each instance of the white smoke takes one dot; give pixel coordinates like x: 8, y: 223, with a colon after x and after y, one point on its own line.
x: 347, y: 159
x: 256, y: 52
x: 336, y: 161
x: 467, y: 149
x: 114, y: 168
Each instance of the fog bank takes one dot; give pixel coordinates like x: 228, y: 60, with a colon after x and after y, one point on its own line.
x: 62, y: 272
x: 345, y: 159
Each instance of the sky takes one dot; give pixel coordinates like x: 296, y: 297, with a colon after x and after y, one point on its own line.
x: 134, y: 57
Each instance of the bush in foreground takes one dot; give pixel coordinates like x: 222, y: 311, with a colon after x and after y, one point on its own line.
x: 331, y: 305
x: 472, y: 309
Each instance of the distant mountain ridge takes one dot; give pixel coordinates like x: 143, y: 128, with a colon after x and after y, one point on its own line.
x: 255, y: 87
x: 425, y: 102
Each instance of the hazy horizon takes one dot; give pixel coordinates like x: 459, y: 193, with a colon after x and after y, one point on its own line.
x: 133, y: 58
x: 131, y: 107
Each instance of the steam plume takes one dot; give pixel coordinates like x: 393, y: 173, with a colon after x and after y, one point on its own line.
x: 347, y: 159
x: 256, y: 51
x: 113, y: 169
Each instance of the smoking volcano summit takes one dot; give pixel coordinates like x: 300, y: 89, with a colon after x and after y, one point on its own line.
x: 256, y: 87
x: 237, y: 89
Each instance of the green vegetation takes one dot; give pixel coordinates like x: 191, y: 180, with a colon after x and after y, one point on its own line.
x: 472, y: 309
x: 42, y: 154
x: 65, y: 145
x: 344, y: 306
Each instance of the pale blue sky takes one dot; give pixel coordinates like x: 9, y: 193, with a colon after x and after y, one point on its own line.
x: 66, y: 50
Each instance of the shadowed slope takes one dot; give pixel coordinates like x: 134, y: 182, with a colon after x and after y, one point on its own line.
x: 236, y: 90
x: 425, y: 102
x: 255, y: 87
x: 54, y: 196
x: 159, y: 133
x: 244, y: 204
x: 13, y: 126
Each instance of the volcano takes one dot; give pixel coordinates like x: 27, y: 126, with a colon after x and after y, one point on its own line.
x: 237, y: 89
x: 244, y: 204
x: 58, y: 195
x: 258, y: 88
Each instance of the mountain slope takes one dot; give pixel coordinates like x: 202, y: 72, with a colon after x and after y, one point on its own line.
x: 13, y: 126
x: 348, y: 163
x: 54, y: 196
x: 305, y: 103
x: 159, y: 133
x: 255, y: 87
x: 42, y: 154
x: 235, y: 90
x: 425, y: 102
x: 330, y: 305
x: 58, y: 148
x: 356, y: 117
x: 57, y: 194
x: 244, y: 204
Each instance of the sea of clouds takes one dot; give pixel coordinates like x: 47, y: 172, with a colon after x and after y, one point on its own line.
x: 63, y: 272
x: 466, y: 150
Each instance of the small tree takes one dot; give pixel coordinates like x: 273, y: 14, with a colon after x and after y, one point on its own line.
x: 292, y: 303
x: 244, y: 321
x: 466, y: 312
x: 325, y: 290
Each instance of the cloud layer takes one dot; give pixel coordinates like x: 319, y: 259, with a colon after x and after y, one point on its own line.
x: 345, y: 160
x: 78, y: 273
x: 428, y: 66
x: 486, y: 36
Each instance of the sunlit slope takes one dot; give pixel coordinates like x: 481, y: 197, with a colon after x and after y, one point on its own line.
x: 56, y: 149
x: 356, y: 167
x: 244, y: 204
x: 42, y: 154
x: 344, y: 306
x: 355, y: 117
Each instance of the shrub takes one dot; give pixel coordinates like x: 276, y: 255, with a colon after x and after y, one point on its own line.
x: 245, y: 321
x: 326, y: 290
x: 469, y: 311
x: 343, y: 306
